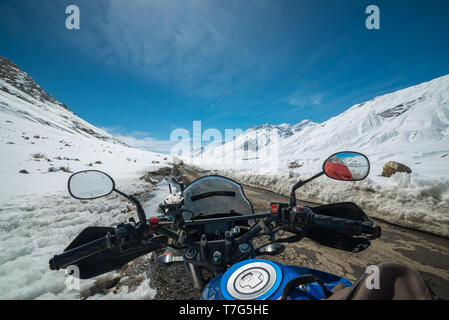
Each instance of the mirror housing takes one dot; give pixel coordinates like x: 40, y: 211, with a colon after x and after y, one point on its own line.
x: 93, y: 184
x: 347, y: 166
x: 90, y: 184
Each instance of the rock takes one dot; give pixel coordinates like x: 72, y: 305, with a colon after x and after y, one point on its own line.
x: 38, y: 155
x: 164, y: 171
x: 293, y: 165
x: 98, y: 162
x: 391, y: 167
x: 147, y: 178
x: 24, y: 171
x: 65, y: 169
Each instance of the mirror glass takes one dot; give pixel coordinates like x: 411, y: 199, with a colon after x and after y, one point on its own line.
x: 90, y: 184
x: 347, y: 166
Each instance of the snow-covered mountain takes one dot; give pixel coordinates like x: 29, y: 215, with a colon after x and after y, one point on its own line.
x: 45, y: 140
x: 409, y: 126
x: 23, y: 97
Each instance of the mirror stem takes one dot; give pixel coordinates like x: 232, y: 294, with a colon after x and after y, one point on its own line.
x: 300, y: 184
x: 140, y: 211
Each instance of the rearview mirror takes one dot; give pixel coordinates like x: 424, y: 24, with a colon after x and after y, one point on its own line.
x: 347, y: 166
x: 90, y: 184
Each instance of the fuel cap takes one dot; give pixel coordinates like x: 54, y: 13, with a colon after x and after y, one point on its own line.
x: 251, y: 279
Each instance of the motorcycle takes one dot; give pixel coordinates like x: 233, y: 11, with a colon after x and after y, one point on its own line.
x: 210, y: 226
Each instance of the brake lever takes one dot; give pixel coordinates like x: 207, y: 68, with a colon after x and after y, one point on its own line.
x: 125, y: 233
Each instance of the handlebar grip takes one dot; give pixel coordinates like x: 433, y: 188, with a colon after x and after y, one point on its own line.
x: 375, y: 232
x: 347, y: 226
x: 72, y: 256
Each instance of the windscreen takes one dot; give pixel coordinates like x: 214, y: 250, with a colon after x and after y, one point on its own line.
x: 214, y: 195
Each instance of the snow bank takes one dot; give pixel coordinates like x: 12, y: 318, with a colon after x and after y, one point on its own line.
x: 407, y: 200
x: 35, y: 228
x: 142, y: 292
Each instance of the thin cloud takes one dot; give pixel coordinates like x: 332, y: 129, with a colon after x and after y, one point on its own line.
x: 298, y: 102
x: 316, y: 99
x: 201, y: 48
x: 147, y: 143
x: 140, y: 139
x: 302, y: 101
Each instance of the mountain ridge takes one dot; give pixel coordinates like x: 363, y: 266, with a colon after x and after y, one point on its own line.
x: 38, y: 105
x: 10, y: 73
x: 413, y: 121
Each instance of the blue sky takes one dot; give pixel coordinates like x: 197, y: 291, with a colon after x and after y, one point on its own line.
x: 143, y: 68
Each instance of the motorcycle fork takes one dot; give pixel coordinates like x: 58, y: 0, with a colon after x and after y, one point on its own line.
x: 195, y: 275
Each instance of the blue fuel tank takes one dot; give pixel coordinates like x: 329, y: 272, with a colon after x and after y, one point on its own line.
x: 257, y: 279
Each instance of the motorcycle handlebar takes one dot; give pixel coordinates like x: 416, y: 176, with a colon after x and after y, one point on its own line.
x: 72, y: 256
x: 301, y: 221
x: 352, y: 227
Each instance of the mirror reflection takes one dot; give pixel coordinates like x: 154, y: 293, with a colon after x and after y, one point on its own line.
x: 90, y: 184
x: 347, y: 166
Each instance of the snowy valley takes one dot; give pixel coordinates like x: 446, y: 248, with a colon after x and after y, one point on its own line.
x: 41, y: 143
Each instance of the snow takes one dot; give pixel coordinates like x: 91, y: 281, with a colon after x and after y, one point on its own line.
x: 417, y: 203
x: 142, y: 292
x: 416, y: 135
x: 157, y: 197
x: 38, y: 218
x: 410, y: 126
x: 34, y: 228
